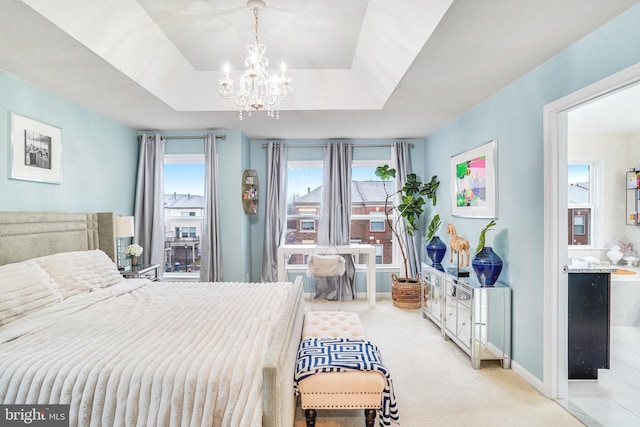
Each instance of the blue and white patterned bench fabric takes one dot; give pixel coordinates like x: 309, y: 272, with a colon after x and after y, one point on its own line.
x: 338, y: 368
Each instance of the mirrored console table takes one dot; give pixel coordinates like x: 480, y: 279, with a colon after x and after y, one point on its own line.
x: 476, y: 318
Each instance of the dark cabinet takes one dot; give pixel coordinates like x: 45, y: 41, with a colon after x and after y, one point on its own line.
x: 588, y: 327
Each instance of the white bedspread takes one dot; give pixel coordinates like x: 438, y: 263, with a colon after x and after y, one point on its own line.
x: 142, y: 353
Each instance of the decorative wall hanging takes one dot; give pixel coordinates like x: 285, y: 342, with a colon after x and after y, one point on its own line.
x: 36, y: 150
x: 474, y: 182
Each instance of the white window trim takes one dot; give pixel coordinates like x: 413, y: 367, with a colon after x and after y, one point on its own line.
x: 183, y: 158
x: 596, y: 170
x: 308, y: 220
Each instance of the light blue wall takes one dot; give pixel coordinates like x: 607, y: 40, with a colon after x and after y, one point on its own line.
x: 99, y: 156
x: 514, y: 116
x: 234, y: 224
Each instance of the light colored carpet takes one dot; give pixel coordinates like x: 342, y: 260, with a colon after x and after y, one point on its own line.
x: 434, y: 382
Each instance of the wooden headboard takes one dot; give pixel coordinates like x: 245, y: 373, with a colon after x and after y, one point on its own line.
x: 25, y: 235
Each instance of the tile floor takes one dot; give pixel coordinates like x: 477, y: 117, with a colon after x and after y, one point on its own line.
x: 614, y: 399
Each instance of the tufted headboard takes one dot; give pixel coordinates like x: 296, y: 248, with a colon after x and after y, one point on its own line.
x: 25, y: 235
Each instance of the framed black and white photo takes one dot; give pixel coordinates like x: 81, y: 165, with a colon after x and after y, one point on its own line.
x: 36, y: 150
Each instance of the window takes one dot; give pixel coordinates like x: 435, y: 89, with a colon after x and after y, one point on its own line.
x: 307, y: 225
x: 379, y: 252
x: 581, y: 203
x: 368, y: 222
x: 188, y: 232
x: 304, y: 189
x: 579, y: 222
x: 184, y: 212
x: 376, y: 225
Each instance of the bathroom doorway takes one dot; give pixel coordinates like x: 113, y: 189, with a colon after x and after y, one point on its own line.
x: 560, y: 117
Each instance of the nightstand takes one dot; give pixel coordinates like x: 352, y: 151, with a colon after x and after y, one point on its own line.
x: 151, y: 272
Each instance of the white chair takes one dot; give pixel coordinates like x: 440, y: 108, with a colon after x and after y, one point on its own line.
x: 331, y: 265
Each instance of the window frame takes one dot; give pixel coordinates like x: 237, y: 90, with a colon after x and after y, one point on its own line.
x: 395, y: 263
x: 312, y: 230
x: 181, y: 158
x: 383, y: 221
x: 356, y: 163
x: 596, y: 226
x: 379, y: 248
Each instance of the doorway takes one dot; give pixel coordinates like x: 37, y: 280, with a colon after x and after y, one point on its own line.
x: 556, y: 125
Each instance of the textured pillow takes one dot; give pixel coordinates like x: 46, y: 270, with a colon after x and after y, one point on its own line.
x: 325, y: 265
x: 80, y: 271
x: 24, y: 288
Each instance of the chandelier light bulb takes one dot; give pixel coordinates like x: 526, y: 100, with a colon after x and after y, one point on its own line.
x: 257, y: 90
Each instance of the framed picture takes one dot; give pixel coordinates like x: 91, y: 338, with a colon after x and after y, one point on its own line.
x: 36, y: 150
x: 474, y: 182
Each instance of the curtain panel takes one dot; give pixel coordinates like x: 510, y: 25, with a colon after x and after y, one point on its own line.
x: 211, y: 260
x: 334, y: 225
x: 275, y: 209
x: 403, y: 168
x: 149, y: 204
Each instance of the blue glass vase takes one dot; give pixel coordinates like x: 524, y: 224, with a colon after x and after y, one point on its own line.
x: 487, y: 265
x: 435, y: 250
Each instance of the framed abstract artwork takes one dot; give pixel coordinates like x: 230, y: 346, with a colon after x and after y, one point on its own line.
x: 474, y: 182
x: 36, y: 151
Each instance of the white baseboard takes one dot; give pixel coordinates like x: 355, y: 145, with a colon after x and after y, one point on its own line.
x: 528, y: 377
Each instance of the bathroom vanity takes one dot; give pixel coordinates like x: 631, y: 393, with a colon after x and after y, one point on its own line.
x: 589, y: 321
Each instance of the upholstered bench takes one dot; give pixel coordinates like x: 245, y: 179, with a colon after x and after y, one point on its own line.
x: 339, y: 390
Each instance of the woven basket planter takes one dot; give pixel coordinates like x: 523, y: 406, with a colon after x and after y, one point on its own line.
x: 405, y: 293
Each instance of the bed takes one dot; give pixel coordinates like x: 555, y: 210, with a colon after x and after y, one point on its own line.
x: 136, y: 352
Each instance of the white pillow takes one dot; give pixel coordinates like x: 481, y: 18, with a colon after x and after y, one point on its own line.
x: 80, y: 271
x: 325, y: 265
x: 24, y: 288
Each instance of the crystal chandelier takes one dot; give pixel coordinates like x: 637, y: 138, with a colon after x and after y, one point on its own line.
x: 257, y: 89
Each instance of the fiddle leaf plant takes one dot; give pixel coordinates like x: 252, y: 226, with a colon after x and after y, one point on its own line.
x: 483, y: 233
x: 411, y: 206
x: 434, y: 225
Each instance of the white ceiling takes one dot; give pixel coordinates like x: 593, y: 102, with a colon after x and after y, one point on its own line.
x: 615, y: 113
x: 360, y: 68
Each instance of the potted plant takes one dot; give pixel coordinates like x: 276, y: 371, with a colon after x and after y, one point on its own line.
x: 403, y: 218
x: 486, y: 263
x: 436, y: 248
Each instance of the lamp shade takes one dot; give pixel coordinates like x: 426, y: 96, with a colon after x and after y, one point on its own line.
x: 124, y: 226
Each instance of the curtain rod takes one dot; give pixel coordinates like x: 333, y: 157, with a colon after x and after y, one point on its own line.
x: 411, y: 145
x: 222, y: 136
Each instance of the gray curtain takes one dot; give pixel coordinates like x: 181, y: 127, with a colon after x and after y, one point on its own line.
x: 211, y: 260
x: 334, y: 227
x: 149, y: 205
x: 403, y: 167
x: 275, y: 209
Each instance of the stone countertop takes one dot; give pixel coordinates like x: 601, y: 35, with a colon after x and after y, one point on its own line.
x: 625, y: 272
x: 589, y: 267
x: 598, y: 269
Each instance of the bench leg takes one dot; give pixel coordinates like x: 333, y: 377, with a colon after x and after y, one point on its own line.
x: 370, y: 417
x: 310, y: 416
